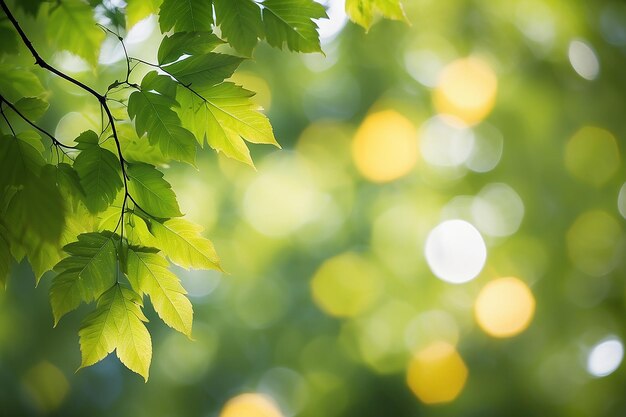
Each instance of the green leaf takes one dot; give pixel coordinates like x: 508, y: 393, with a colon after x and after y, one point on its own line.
x: 153, y: 115
x: 204, y: 70
x: 25, y: 212
x: 69, y: 182
x: 117, y: 324
x: 148, y: 273
x: 9, y: 43
x: 291, y: 22
x: 181, y: 241
x: 186, y: 15
x: 19, y: 161
x: 363, y: 12
x: 223, y: 118
x: 71, y: 27
x: 32, y: 107
x: 89, y: 270
x: 186, y: 43
x: 16, y: 82
x: 240, y: 22
x: 151, y: 192
x: 137, y: 10
x: 99, y: 172
x: 136, y: 149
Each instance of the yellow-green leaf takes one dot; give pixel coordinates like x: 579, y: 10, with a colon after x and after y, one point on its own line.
x: 72, y: 27
x: 182, y: 242
x: 363, y: 12
x: 148, y: 273
x: 117, y: 324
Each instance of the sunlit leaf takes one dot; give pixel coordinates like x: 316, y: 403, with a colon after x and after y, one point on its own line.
x: 182, y: 242
x: 151, y: 192
x: 363, y: 12
x: 117, y: 324
x: 223, y: 116
x: 148, y: 273
x: 72, y: 27
x: 186, y: 15
x: 240, y: 22
x: 291, y: 23
x: 137, y: 10
x: 204, y: 70
x: 186, y: 43
x: 153, y: 115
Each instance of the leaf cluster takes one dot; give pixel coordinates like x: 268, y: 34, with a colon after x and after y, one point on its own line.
x: 99, y: 211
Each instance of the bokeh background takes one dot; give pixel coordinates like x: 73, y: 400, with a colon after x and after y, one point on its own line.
x: 442, y: 233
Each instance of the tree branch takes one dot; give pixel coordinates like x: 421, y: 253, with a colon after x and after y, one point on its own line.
x: 100, y: 97
x: 55, y: 141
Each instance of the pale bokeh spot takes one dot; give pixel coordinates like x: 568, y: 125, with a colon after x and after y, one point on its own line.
x: 583, y: 59
x: 605, y: 357
x: 467, y: 89
x: 437, y: 373
x: 346, y: 285
x: 385, y: 146
x: 504, y: 307
x: 455, y: 251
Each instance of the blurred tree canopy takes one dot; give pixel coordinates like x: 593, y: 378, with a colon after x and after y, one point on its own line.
x: 442, y: 233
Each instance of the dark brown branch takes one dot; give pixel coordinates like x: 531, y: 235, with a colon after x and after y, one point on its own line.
x: 55, y: 141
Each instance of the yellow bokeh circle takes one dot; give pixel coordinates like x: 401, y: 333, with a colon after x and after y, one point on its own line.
x: 437, y: 373
x: 504, y: 307
x: 384, y: 147
x: 250, y: 405
x: 467, y: 89
x: 346, y: 285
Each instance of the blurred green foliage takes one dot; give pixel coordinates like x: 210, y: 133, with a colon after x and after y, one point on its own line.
x: 548, y: 204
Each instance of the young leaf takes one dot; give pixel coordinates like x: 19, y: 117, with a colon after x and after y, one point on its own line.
x: 204, y: 70
x: 153, y: 115
x: 137, y: 10
x: 362, y: 12
x: 223, y: 118
x: 186, y: 15
x: 117, y: 323
x: 240, y: 22
x: 181, y: 241
x: 148, y: 273
x: 99, y: 172
x: 186, y: 43
x: 88, y: 271
x: 151, y: 191
x: 71, y: 27
x: 291, y: 22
